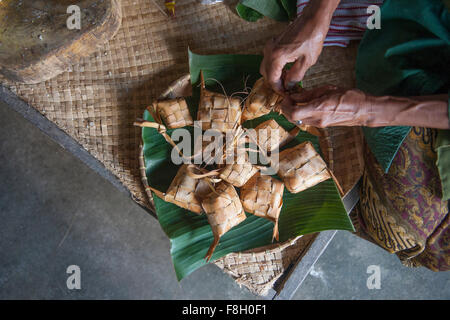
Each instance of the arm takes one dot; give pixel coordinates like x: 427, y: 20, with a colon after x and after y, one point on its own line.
x: 425, y: 111
x: 328, y: 106
x: 301, y: 43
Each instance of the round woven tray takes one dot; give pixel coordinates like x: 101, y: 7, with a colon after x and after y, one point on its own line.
x: 259, y: 268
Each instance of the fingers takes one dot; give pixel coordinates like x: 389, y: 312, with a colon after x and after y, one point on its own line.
x: 272, y: 66
x: 273, y: 78
x: 290, y: 110
x: 296, y: 73
x: 306, y: 113
x: 308, y: 105
x: 272, y: 71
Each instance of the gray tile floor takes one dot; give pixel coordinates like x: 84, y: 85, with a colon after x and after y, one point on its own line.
x: 56, y: 212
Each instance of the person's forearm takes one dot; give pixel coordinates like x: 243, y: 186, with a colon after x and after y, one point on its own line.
x: 321, y: 8
x: 316, y: 16
x: 426, y: 111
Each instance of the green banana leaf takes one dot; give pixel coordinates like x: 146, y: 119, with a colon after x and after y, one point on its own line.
x: 269, y: 8
x: 279, y: 10
x: 316, y: 209
x: 291, y: 8
x: 247, y: 13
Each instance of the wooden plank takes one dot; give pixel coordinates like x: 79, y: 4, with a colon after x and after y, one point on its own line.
x: 38, y: 39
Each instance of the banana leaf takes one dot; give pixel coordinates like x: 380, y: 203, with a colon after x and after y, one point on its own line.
x: 291, y: 8
x: 279, y: 10
x: 247, y: 13
x: 269, y: 8
x: 316, y: 209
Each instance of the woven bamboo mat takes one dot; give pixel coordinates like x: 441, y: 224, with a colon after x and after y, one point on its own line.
x: 97, y: 100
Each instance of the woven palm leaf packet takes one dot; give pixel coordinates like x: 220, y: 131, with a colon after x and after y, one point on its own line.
x: 302, y: 167
x: 182, y: 191
x: 269, y: 135
x: 217, y: 111
x: 240, y: 170
x: 262, y: 196
x: 261, y: 100
x: 174, y: 113
x: 224, y: 211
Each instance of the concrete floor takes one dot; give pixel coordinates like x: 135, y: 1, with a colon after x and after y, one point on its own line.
x: 56, y: 212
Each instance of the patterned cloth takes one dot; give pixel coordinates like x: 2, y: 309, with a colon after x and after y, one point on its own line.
x: 349, y: 21
x: 403, y: 211
x: 402, y: 206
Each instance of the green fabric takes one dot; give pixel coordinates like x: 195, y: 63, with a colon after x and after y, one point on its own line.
x: 408, y: 56
x: 443, y: 162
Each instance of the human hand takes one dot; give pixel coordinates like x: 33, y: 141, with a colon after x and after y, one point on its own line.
x: 301, y: 44
x: 328, y: 106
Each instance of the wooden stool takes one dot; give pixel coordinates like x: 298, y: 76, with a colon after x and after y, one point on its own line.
x: 39, y: 39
